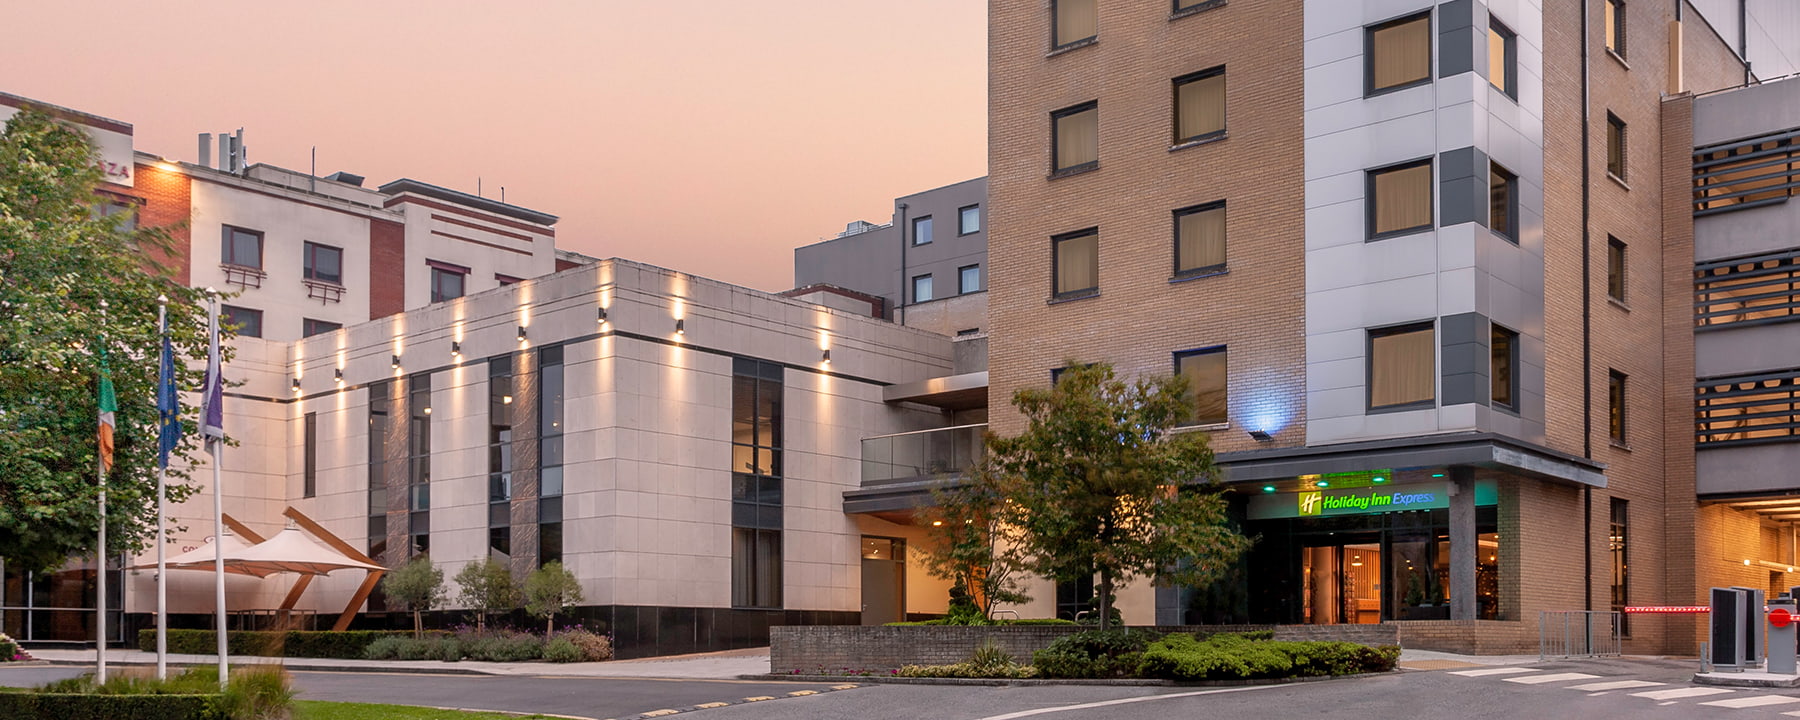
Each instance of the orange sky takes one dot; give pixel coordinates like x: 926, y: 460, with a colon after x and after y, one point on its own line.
x: 705, y: 135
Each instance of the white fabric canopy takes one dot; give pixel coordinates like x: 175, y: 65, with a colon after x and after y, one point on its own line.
x: 201, y: 558
x: 291, y: 551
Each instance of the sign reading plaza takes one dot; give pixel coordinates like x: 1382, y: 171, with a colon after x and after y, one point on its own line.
x: 1362, y: 500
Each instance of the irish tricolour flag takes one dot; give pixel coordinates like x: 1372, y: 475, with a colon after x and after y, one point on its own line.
x: 108, y: 405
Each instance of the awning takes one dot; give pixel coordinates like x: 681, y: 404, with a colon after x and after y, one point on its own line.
x: 201, y: 558
x: 291, y: 551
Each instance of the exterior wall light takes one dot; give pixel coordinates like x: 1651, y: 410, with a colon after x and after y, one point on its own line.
x: 521, y: 333
x: 455, y: 349
x: 827, y: 358
x: 1268, y: 488
x: 1322, y: 483
x: 396, y: 362
x: 680, y: 326
x: 296, y: 384
x: 338, y: 375
x: 603, y: 316
x: 1261, y: 435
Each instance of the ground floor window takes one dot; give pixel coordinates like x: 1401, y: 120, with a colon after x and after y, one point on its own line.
x: 755, y: 567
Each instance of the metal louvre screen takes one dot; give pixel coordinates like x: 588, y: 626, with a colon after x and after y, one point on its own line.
x: 1752, y: 290
x: 1747, y: 409
x: 1746, y: 173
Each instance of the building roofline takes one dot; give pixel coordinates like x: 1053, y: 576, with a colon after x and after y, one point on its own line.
x: 425, y: 189
x: 65, y: 113
x: 940, y: 187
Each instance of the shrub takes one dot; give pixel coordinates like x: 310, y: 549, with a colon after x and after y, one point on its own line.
x: 447, y: 649
x: 1094, y: 654
x: 9, y: 650
x: 502, y: 647
x: 1038, y: 621
x: 56, y: 706
x: 562, y: 650
x: 347, y: 644
x: 255, y: 693
x: 593, y: 647
x: 1238, y: 656
x: 988, y: 661
x: 386, y: 648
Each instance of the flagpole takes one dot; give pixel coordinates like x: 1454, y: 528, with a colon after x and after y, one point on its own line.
x: 213, y: 399
x: 162, y: 514
x: 100, y: 555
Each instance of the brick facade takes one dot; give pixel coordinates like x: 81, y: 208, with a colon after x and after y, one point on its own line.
x: 387, y: 260
x: 167, y: 204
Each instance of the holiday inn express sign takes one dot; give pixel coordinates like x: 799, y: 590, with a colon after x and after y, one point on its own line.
x: 1327, y: 502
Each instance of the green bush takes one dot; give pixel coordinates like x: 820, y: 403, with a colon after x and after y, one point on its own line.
x: 502, y: 647
x: 8, y: 648
x: 56, y: 706
x: 562, y: 650
x: 346, y: 644
x: 1238, y: 656
x: 988, y: 661
x: 593, y: 647
x: 1094, y: 654
x: 255, y: 693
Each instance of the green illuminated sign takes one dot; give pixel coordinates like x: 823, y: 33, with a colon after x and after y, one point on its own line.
x: 1328, y: 502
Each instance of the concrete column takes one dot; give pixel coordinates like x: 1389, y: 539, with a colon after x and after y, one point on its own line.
x: 1462, y: 543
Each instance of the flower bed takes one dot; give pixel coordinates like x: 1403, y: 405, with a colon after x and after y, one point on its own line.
x: 11, y: 652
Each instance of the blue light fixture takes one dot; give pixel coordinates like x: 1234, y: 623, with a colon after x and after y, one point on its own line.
x: 1322, y: 483
x: 1378, y: 480
x: 1268, y: 488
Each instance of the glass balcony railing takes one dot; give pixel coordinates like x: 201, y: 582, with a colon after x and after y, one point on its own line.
x: 921, y: 453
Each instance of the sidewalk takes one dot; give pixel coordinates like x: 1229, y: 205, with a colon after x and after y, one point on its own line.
x: 1432, y: 660
x: 724, y: 665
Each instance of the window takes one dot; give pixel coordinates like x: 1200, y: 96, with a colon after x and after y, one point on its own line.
x: 447, y: 281
x: 1181, y: 5
x: 242, y: 248
x: 921, y: 288
x: 418, y: 465
x: 505, y: 280
x: 1200, y: 239
x: 968, y: 220
x: 1200, y: 105
x: 551, y: 428
x: 324, y: 263
x: 1503, y: 202
x: 921, y: 230
x: 377, y: 479
x: 1615, y: 404
x: 1205, y: 373
x: 249, y: 323
x: 310, y: 449
x: 1619, y: 539
x: 1402, y: 367
x: 1076, y: 137
x: 310, y: 327
x: 968, y: 279
x: 756, y: 485
x: 1074, y: 597
x: 1615, y: 146
x: 1615, y: 268
x: 1503, y: 59
x: 1073, y: 21
x: 1399, y: 199
x: 500, y: 456
x: 1398, y: 54
x: 1076, y: 257
x: 1615, y: 27
x: 1503, y: 367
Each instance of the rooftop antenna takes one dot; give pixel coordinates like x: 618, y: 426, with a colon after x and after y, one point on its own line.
x: 477, y: 186
x: 312, y: 178
x: 502, y: 194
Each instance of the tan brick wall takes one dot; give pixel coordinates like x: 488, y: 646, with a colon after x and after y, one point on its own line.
x: 1140, y: 317
x: 168, y: 203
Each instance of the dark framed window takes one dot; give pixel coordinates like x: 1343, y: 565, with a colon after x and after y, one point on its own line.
x: 921, y: 230
x: 418, y: 461
x: 1503, y: 58
x: 505, y: 280
x: 1503, y: 367
x: 500, y: 455
x: 310, y: 327
x: 1074, y: 597
x: 448, y: 282
x: 1400, y: 199
x: 1403, y: 367
x: 249, y: 322
x: 309, y: 486
x: 1200, y: 239
x: 1075, y: 260
x: 968, y: 220
x: 552, y: 427
x: 377, y: 477
x: 1615, y: 146
x: 324, y: 263
x: 1205, y: 370
x: 1503, y: 202
x: 1200, y: 105
x: 1615, y: 268
x: 921, y: 288
x: 242, y: 248
x: 1619, y: 540
x: 1075, y: 137
x: 1397, y: 54
x: 1073, y: 21
x: 1615, y: 27
x: 1615, y: 405
x: 968, y: 279
x: 756, y: 483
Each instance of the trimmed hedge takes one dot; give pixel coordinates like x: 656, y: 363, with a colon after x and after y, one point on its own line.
x: 1094, y: 654
x: 60, y: 706
x: 344, y: 645
x: 1234, y: 657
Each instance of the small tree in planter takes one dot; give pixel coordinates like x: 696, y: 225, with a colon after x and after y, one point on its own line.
x: 970, y: 547
x: 548, y: 590
x: 486, y: 587
x: 417, y: 586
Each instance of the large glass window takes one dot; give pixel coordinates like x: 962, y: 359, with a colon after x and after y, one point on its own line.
x: 1077, y: 263
x: 418, y: 467
x: 324, y: 263
x: 309, y: 485
x: 1398, y: 53
x: 756, y: 484
x: 1402, y: 366
x: 1503, y: 202
x: 1200, y: 105
x: 1503, y: 368
x: 242, y: 248
x: 1503, y: 58
x: 1620, y: 541
x: 1205, y: 371
x: 1200, y: 239
x: 1399, y: 199
x: 551, y: 429
x: 1074, y: 21
x: 377, y: 482
x: 500, y: 456
x: 1075, y: 137
x: 249, y: 323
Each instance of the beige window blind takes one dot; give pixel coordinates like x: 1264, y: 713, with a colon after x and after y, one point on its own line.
x: 1077, y: 138
x: 1402, y: 367
x: 1402, y: 198
x: 1401, y: 53
x: 1206, y: 377
x: 1077, y: 264
x: 1200, y: 239
x: 1076, y: 20
x: 1199, y: 107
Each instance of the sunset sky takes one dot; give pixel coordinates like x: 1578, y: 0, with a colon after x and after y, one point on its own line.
x: 707, y: 136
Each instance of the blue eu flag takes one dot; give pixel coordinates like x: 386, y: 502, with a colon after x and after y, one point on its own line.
x: 168, y: 403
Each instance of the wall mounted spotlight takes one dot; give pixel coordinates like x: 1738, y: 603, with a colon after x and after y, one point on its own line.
x: 1261, y: 435
x: 680, y: 326
x: 603, y: 316
x: 296, y: 384
x: 1268, y: 488
x: 455, y: 349
x: 396, y: 362
x: 827, y: 358
x: 521, y: 333
x: 338, y: 374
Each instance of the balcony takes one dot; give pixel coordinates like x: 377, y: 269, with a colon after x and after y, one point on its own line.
x: 921, y: 453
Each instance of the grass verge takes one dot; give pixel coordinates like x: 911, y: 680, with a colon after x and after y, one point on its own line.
x: 318, y: 710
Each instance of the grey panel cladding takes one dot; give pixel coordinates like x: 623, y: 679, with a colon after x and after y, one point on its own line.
x: 1462, y: 186
x: 1460, y: 39
x: 1466, y: 358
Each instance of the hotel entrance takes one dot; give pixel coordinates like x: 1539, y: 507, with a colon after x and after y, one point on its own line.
x: 1341, y: 583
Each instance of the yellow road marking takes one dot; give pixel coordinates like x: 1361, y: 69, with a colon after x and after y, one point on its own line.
x: 844, y: 687
x: 660, y: 713
x: 711, y: 705
x: 802, y: 693
x: 759, y: 698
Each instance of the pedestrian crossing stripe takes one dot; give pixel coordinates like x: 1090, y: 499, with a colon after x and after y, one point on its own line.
x: 1615, y: 685
x: 1678, y: 693
x: 1556, y: 677
x: 1753, y: 701
x: 802, y: 693
x: 1483, y: 672
x: 759, y: 698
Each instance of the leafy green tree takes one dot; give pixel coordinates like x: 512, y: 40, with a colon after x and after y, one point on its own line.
x: 1098, y: 483
x: 487, y: 587
x: 417, y: 586
x: 548, y: 590
x: 970, y: 547
x: 63, y: 250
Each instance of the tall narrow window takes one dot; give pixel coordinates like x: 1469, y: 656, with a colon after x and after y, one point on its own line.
x: 1503, y: 367
x: 1503, y: 202
x: 1620, y: 541
x: 551, y: 427
x: 968, y: 279
x: 1200, y: 105
x: 1503, y: 58
x: 1615, y: 268
x: 447, y: 281
x: 309, y: 486
x: 1399, y: 199
x: 1200, y: 239
x: 756, y: 484
x: 377, y: 479
x: 921, y: 288
x: 243, y: 248
x: 1615, y: 27
x: 1402, y: 367
x: 418, y: 466
x: 1615, y: 146
x: 249, y: 323
x: 1074, y: 21
x: 1398, y: 54
x: 500, y: 456
x: 1206, y: 376
x: 1075, y: 137
x: 324, y: 263
x: 1615, y: 403
x: 968, y: 220
x: 921, y: 230
x: 1076, y: 257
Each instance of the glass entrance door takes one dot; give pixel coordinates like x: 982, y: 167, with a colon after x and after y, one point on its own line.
x: 1341, y: 583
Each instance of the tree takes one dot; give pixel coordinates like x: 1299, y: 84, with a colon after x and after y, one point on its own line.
x: 1098, y: 483
x: 969, y: 546
x: 548, y: 590
x: 487, y: 587
x: 64, y: 250
x: 417, y: 586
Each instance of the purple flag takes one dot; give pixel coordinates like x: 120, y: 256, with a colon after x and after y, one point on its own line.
x: 212, y: 396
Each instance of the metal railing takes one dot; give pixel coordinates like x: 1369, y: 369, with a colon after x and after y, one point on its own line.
x: 921, y: 453
x: 1578, y: 634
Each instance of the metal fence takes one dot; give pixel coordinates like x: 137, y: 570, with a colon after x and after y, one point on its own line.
x: 1578, y: 634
